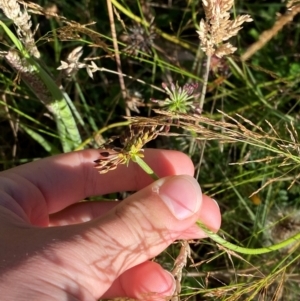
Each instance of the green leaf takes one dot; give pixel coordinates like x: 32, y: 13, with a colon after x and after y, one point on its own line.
x: 65, y: 122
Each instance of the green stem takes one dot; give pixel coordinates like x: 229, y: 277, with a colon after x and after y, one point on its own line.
x: 99, y: 132
x: 137, y: 159
x: 218, y: 239
x: 215, y: 237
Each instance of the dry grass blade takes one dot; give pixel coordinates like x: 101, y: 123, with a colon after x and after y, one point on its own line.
x: 283, y: 152
x: 39, y: 10
x: 117, y: 53
x: 267, y: 35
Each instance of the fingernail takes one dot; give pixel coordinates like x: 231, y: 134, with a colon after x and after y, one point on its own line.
x: 216, y: 203
x: 173, y: 281
x: 181, y: 194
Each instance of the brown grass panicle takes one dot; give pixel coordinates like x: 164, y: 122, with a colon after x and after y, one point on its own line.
x: 233, y: 130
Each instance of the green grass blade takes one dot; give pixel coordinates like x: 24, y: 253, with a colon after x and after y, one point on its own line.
x: 49, y: 147
x: 66, y: 125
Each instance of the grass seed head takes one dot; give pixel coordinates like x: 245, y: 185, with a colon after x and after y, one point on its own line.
x: 217, y: 27
x: 22, y: 21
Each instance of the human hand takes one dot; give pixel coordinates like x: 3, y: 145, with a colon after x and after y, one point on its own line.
x: 54, y: 248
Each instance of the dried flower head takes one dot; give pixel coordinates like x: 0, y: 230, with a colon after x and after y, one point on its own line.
x: 180, y: 99
x: 281, y: 225
x: 132, y: 141
x: 134, y: 100
x: 217, y: 28
x: 22, y: 20
x: 72, y: 65
x: 139, y: 39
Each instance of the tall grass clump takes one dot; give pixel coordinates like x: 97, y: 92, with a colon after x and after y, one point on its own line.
x: 209, y: 78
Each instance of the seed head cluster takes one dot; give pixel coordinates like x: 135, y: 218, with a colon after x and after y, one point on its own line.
x: 217, y: 27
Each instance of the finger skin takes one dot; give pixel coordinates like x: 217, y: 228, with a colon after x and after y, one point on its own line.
x: 89, y: 258
x: 81, y: 212
x: 87, y: 211
x: 151, y: 281
x: 82, y: 261
x: 52, y: 184
x: 142, y: 226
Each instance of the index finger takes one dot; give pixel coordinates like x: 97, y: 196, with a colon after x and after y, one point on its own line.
x: 50, y: 185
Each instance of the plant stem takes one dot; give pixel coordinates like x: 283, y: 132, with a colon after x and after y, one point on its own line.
x: 205, y: 81
x: 164, y: 35
x: 216, y: 238
x: 117, y: 54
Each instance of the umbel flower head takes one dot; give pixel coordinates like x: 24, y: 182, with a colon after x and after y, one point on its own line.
x: 217, y: 28
x: 180, y: 99
x: 132, y: 141
x: 138, y: 39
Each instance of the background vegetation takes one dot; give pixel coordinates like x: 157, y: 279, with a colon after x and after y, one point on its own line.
x: 252, y: 169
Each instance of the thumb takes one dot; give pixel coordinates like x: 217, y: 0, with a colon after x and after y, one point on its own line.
x: 141, y: 227
x: 91, y: 256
